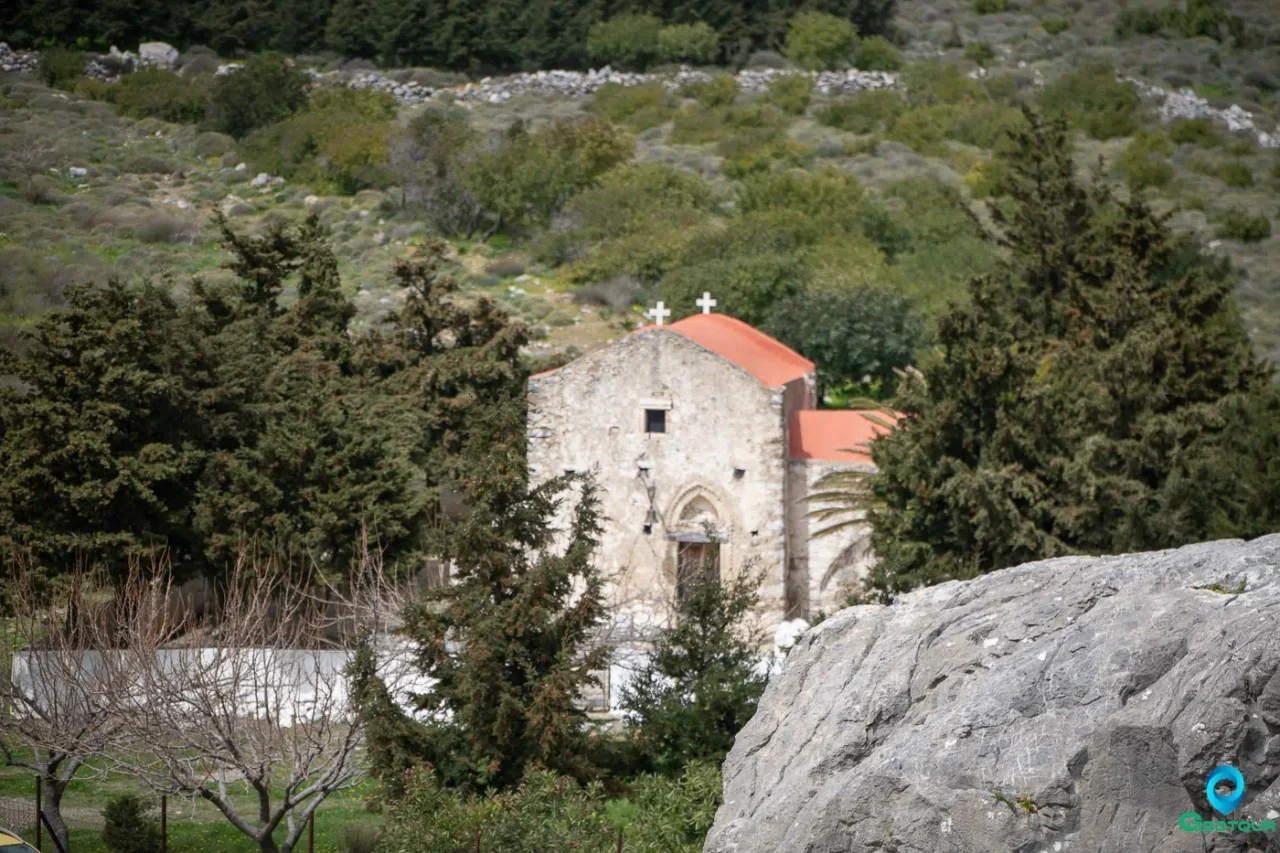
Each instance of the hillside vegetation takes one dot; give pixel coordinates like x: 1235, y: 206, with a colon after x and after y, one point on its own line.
x: 292, y: 302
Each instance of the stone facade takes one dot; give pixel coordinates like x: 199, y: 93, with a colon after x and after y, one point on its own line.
x: 719, y: 477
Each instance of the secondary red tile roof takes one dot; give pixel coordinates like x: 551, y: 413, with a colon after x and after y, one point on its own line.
x: 771, y: 362
x: 837, y: 435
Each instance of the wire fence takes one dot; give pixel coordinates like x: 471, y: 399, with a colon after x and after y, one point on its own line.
x: 18, y: 815
x: 21, y: 815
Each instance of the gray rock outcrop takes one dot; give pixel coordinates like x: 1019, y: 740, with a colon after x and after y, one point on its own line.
x: 158, y: 54
x: 1076, y: 704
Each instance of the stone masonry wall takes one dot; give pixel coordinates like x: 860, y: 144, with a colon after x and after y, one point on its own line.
x: 720, y: 421
x: 826, y: 569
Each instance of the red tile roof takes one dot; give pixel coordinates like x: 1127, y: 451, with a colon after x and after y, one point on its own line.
x: 837, y: 435
x: 771, y: 362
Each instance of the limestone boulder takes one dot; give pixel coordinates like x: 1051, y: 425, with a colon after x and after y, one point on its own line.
x: 158, y: 54
x: 1076, y: 704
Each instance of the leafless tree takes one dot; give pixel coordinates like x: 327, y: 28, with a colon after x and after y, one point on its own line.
x: 430, y: 156
x: 25, y: 158
x: 252, y: 694
x: 54, y: 716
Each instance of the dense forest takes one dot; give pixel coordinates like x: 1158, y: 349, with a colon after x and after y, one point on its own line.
x: 493, y: 36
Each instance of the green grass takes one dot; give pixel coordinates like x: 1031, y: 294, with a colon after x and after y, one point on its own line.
x: 194, y: 827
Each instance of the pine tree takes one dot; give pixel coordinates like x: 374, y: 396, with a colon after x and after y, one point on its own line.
x: 1076, y: 395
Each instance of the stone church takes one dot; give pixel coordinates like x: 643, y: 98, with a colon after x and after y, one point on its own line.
x: 706, y: 441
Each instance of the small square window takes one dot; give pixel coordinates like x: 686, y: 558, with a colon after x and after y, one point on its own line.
x: 655, y: 420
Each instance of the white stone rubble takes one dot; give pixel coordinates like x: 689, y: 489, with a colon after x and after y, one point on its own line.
x: 1183, y: 103
x: 1186, y: 104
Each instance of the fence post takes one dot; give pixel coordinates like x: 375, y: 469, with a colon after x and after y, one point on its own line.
x: 39, y: 813
x: 311, y: 834
x: 164, y: 823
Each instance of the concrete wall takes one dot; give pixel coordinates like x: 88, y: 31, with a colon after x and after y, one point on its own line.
x: 291, y: 685
x: 591, y: 413
x: 824, y: 569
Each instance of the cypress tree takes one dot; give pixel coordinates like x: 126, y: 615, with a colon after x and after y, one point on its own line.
x: 509, y: 645
x: 701, y: 683
x: 1074, y: 397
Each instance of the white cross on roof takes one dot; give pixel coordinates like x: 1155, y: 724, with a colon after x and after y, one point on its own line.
x: 706, y: 303
x: 658, y: 312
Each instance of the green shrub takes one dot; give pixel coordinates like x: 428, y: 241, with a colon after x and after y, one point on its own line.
x: 696, y: 43
x: 699, y: 126
x: 925, y: 129
x: 639, y: 218
x: 830, y: 195
x: 979, y: 52
x: 1053, y: 26
x: 159, y: 226
x: 1092, y: 100
x: 1195, y: 18
x: 818, y: 41
x: 746, y: 285
x: 1138, y: 22
x: 721, y: 90
x: 213, y: 144
x: 1144, y: 162
x: 546, y: 813
x: 983, y: 125
x: 616, y: 294
x: 147, y: 164
x: 508, y: 267
x: 632, y: 197
x: 127, y: 828
x: 357, y: 838
x: 265, y: 90
x: 935, y: 83
x: 534, y: 174
x: 790, y: 93
x: 987, y: 178
x: 1236, y: 174
x: 877, y: 53
x: 341, y: 139
x: 990, y: 7
x: 640, y: 107
x: 1195, y: 131
x: 760, y: 149
x: 866, y: 112
x: 626, y: 41
x: 1237, y: 224
x: 156, y: 93
x: 851, y: 334
x: 60, y: 67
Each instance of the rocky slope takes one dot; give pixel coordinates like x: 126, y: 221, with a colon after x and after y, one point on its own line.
x: 1073, y: 704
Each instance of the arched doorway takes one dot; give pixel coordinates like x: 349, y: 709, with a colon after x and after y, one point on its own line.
x: 698, y: 532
